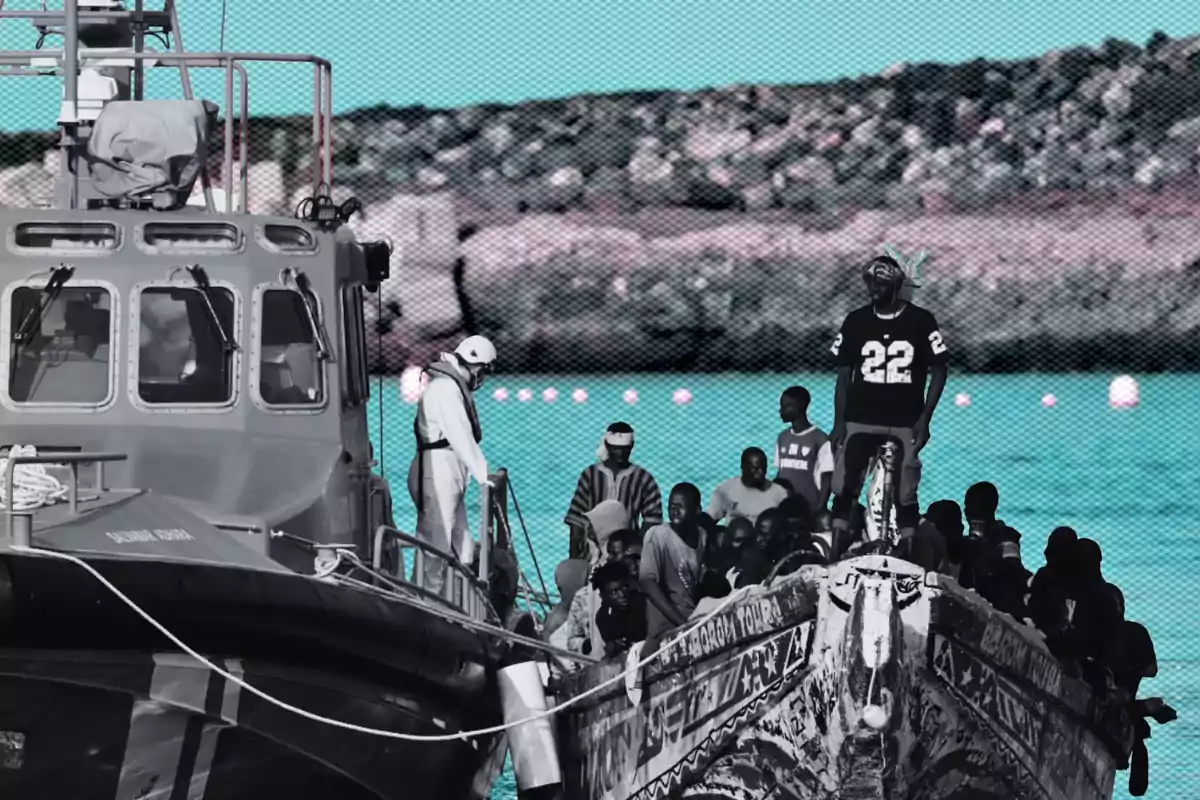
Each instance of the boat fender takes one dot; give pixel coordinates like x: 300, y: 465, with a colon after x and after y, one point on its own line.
x: 633, y: 677
x: 532, y: 744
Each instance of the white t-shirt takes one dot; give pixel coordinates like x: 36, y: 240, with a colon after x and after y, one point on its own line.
x: 735, y: 499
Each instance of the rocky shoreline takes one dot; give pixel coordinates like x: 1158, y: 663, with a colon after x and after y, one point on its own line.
x: 719, y: 229
x: 1015, y: 293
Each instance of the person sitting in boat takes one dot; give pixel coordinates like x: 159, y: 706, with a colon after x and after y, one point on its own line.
x: 993, y: 567
x: 884, y: 352
x: 796, y: 525
x: 614, y: 477
x: 569, y: 576
x: 927, y: 546
x: 797, y: 545
x: 672, y: 562
x: 1050, y: 588
x: 1092, y: 615
x: 448, y: 454
x: 803, y: 455
x: 579, y: 633
x: 946, y: 520
x: 749, y: 494
x: 719, y: 555
x: 621, y: 619
x: 761, y: 553
x: 739, y: 535
x: 1132, y: 659
x: 625, y: 546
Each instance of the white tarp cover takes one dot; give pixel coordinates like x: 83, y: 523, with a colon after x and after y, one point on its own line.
x: 138, y: 148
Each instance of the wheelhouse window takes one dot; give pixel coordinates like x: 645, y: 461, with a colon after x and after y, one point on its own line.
x: 60, y: 345
x: 291, y: 368
x: 358, y: 388
x: 186, y: 349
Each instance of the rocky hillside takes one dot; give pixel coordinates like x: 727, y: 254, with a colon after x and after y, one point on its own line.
x: 718, y: 229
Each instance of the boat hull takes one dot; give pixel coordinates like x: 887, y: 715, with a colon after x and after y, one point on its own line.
x: 84, y: 721
x: 866, y: 680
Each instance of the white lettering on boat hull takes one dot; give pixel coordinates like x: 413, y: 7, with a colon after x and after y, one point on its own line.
x: 151, y: 535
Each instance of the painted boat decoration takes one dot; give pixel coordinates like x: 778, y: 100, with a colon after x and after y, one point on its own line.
x: 865, y: 679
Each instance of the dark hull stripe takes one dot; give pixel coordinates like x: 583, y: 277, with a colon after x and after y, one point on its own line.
x: 230, y: 695
x: 169, y: 755
x: 104, y: 726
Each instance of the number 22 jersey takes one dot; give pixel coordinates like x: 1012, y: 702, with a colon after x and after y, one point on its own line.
x: 889, y: 357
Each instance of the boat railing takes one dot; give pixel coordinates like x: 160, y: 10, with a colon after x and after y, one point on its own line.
x: 18, y: 524
x: 463, y: 588
x: 64, y: 62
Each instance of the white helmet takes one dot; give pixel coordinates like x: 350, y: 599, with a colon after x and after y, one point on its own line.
x: 476, y: 351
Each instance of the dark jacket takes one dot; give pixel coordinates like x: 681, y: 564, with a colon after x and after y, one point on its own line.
x: 628, y: 624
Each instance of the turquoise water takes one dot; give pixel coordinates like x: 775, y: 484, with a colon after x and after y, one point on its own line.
x: 1128, y: 479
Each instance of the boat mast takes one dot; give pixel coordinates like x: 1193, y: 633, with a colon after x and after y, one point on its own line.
x: 139, y: 45
x: 69, y: 118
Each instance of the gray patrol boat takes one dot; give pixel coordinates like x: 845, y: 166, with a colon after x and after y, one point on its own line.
x: 185, y: 397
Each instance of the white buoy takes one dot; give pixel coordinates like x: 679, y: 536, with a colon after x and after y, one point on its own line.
x: 1124, y: 392
x: 682, y: 397
x: 550, y: 394
x: 630, y: 396
x: 1049, y: 400
x: 579, y: 395
x: 531, y: 744
x: 412, y: 384
x: 524, y: 395
x: 500, y: 394
x: 962, y: 400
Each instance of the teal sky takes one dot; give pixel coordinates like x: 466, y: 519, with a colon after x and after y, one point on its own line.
x: 457, y: 52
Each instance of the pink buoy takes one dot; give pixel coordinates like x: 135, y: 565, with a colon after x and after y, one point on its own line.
x: 500, y: 394
x: 550, y: 394
x: 579, y: 395
x: 524, y: 395
x: 962, y: 400
x: 630, y: 396
x: 681, y: 397
x: 412, y: 384
x: 1049, y: 400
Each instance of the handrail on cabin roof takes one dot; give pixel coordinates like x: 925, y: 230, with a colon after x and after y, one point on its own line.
x: 166, y: 21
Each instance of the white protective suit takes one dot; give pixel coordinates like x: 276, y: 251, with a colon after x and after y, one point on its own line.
x: 442, y: 415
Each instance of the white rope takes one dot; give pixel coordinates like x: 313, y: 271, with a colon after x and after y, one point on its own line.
x: 408, y: 737
x: 33, y: 486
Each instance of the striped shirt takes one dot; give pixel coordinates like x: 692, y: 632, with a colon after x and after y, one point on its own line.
x: 634, y: 487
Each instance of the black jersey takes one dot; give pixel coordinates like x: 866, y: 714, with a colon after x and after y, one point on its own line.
x: 890, y: 357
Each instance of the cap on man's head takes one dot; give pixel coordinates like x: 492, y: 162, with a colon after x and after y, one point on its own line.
x: 608, y: 517
x: 570, y: 576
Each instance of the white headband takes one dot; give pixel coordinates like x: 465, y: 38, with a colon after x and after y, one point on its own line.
x: 615, y: 440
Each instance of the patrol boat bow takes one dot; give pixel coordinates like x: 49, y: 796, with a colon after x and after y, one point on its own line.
x: 192, y: 380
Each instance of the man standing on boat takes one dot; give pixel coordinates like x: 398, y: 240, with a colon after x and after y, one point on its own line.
x: 448, y: 454
x: 884, y: 352
x: 614, y: 477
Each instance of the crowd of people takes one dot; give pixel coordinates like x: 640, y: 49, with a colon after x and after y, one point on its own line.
x: 632, y: 575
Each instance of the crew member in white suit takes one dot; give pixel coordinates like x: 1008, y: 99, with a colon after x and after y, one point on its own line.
x: 448, y: 454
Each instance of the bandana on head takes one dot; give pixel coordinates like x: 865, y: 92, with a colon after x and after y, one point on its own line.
x: 613, y: 440
x: 911, y: 266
